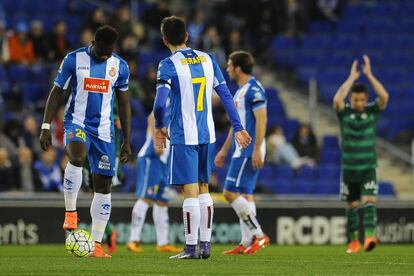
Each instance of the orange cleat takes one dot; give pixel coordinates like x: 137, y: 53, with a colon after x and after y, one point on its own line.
x: 135, y: 247
x: 111, y: 242
x: 99, y: 252
x: 71, y: 221
x: 236, y: 251
x: 169, y: 248
x: 370, y: 243
x: 353, y: 247
x: 258, y: 243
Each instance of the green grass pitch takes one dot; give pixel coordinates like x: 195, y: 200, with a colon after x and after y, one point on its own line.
x: 273, y: 260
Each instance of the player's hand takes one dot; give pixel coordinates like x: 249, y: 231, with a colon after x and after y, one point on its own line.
x: 366, y: 67
x: 160, y: 138
x: 220, y: 157
x: 243, y: 138
x: 158, y: 151
x: 354, y: 74
x: 45, y: 139
x: 257, y: 160
x: 126, y: 153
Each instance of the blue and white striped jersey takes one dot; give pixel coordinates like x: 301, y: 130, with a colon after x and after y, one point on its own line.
x: 249, y: 98
x: 191, y: 76
x: 93, y: 89
x: 148, y: 150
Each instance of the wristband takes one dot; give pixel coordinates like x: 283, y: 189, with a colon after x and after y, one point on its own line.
x: 46, y: 126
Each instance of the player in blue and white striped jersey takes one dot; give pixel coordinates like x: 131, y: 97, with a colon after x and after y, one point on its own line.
x: 188, y: 77
x: 245, y: 164
x: 96, y: 75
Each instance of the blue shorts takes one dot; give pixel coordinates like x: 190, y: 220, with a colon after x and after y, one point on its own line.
x: 190, y: 164
x: 151, y: 179
x: 101, y: 154
x: 241, y: 177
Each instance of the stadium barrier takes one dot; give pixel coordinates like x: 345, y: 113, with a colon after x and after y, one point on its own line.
x: 287, y: 222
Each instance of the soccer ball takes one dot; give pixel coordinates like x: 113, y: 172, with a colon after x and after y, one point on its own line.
x: 80, y: 243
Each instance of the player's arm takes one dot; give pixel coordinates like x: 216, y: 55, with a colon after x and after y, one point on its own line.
x: 124, y: 110
x: 54, y: 99
x: 260, y: 129
x: 52, y: 103
x: 342, y: 93
x: 222, y: 153
x: 379, y: 89
x: 151, y: 129
x: 160, y: 132
x: 240, y: 134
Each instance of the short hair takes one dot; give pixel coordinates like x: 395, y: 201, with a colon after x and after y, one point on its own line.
x: 174, y: 30
x: 242, y: 59
x: 106, y: 35
x: 359, y: 88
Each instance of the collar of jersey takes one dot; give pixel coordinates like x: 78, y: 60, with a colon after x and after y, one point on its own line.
x: 182, y: 50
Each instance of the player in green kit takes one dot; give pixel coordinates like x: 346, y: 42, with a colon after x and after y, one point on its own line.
x: 358, y: 122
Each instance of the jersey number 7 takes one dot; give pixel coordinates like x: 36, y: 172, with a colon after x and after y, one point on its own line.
x: 201, y: 91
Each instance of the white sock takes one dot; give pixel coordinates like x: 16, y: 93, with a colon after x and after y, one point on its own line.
x: 245, y: 231
x: 72, y: 181
x: 206, y: 216
x: 161, y: 222
x: 244, y: 211
x: 246, y: 234
x: 253, y: 207
x: 191, y: 218
x: 138, y: 219
x: 100, y: 213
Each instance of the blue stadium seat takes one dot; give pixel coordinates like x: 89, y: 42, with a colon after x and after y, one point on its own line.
x: 301, y: 186
x: 283, y: 171
x: 386, y: 188
x: 329, y: 171
x: 330, y: 142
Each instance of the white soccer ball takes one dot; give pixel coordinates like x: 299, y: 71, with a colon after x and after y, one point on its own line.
x: 80, y: 243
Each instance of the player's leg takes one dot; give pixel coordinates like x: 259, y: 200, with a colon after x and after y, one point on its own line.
x: 110, y: 237
x: 77, y: 144
x: 369, y: 199
x: 102, y: 163
x: 141, y: 206
x: 161, y: 222
x: 350, y: 193
x: 206, y: 157
x: 160, y: 211
x: 183, y: 171
x: 139, y: 212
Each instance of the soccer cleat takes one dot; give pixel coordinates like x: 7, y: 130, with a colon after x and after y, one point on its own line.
x: 168, y: 248
x: 135, y: 247
x: 71, y: 221
x: 111, y: 242
x: 189, y: 252
x: 235, y: 251
x: 257, y: 244
x: 205, y: 249
x: 99, y: 252
x: 353, y: 247
x: 370, y: 243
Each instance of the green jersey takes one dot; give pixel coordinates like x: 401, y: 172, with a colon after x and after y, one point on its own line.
x: 358, y: 131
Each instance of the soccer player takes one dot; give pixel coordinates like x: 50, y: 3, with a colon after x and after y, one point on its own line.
x: 188, y: 77
x: 152, y: 181
x: 245, y: 164
x: 358, y: 122
x: 96, y: 75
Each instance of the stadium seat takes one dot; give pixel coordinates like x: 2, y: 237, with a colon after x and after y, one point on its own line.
x: 386, y: 188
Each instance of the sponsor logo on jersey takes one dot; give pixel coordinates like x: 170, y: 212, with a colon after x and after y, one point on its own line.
x: 193, y: 60
x: 96, y: 85
x: 232, y: 179
x: 257, y: 97
x: 104, y: 163
x: 83, y: 68
x: 71, y: 135
x: 112, y: 72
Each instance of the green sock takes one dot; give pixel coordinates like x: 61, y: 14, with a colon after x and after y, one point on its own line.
x: 352, y: 223
x: 370, y: 219
x: 108, y: 229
